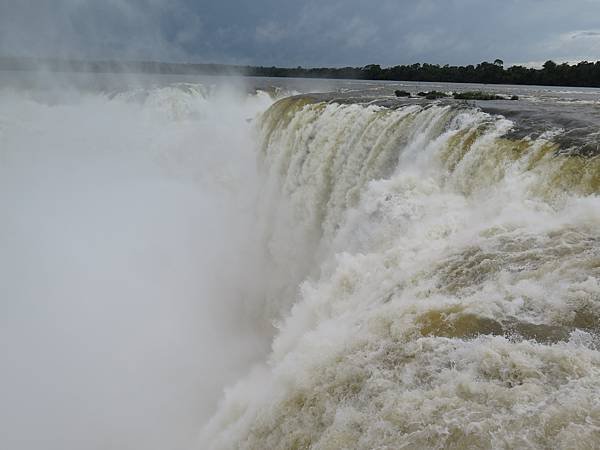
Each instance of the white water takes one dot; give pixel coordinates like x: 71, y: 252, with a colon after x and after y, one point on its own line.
x: 128, y: 264
x: 452, y: 295
x: 433, y: 285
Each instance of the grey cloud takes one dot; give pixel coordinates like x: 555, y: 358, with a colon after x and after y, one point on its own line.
x: 584, y: 34
x: 309, y: 33
x: 270, y: 32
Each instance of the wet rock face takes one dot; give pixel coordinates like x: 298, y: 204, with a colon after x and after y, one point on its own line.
x: 432, y: 95
x: 478, y: 95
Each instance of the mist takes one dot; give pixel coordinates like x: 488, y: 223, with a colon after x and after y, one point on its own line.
x: 128, y: 267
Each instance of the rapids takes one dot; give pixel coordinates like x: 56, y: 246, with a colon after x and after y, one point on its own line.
x: 449, y: 289
x: 195, y: 265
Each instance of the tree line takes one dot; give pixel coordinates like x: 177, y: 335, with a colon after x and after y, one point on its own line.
x: 581, y: 74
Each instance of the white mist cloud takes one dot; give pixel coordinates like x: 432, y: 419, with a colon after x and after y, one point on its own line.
x: 127, y: 268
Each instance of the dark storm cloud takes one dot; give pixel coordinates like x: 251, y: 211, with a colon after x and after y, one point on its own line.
x: 325, y: 32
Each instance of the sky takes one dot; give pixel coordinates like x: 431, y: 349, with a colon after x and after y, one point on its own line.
x: 305, y: 33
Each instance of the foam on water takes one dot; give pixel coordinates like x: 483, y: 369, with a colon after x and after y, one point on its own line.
x: 451, y: 289
x: 358, y: 276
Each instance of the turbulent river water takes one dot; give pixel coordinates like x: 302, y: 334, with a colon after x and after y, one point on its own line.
x: 189, y: 265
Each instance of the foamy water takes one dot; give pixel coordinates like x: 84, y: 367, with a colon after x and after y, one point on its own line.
x: 190, y: 266
x: 450, y: 293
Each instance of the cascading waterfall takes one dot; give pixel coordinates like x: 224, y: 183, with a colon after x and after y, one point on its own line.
x: 425, y: 277
x: 435, y: 283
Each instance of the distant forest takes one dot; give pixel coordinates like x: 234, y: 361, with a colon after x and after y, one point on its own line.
x: 552, y: 74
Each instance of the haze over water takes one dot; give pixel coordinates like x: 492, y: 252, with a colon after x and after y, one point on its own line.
x: 215, y: 263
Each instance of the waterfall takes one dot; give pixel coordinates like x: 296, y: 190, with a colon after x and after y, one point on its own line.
x: 435, y: 284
